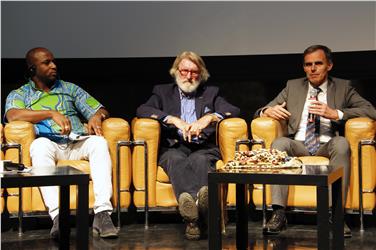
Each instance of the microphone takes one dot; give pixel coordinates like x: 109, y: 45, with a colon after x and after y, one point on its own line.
x: 312, y: 96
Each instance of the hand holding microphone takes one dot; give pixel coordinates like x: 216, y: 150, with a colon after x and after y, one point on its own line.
x: 312, y: 97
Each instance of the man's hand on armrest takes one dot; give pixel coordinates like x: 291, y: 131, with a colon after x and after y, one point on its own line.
x: 277, y: 112
x: 95, y: 122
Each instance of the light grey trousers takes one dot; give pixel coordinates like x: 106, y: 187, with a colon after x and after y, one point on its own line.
x: 337, y: 150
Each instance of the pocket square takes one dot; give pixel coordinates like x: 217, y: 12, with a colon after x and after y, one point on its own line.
x: 207, y: 110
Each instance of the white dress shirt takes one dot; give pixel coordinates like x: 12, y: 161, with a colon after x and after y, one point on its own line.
x: 325, y: 127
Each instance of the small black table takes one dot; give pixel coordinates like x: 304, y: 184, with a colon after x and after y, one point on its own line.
x: 320, y: 176
x: 63, y: 177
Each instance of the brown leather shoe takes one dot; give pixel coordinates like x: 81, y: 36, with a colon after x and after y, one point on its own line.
x: 277, y: 223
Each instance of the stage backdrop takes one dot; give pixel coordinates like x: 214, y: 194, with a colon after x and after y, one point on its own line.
x: 93, y: 29
x: 119, y: 50
x: 122, y: 84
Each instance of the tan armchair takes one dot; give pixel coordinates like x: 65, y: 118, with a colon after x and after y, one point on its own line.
x: 356, y: 130
x: 114, y: 129
x: 160, y: 192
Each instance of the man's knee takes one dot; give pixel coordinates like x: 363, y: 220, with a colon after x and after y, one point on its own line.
x: 196, y: 158
x: 282, y: 144
x: 172, y: 157
x: 340, y: 145
x: 41, y: 146
x: 98, y: 142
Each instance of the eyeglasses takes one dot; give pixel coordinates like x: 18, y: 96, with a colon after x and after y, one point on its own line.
x: 184, y: 72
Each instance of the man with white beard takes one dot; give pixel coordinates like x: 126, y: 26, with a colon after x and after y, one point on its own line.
x: 188, y: 111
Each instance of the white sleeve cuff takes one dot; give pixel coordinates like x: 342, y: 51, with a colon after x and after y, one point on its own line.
x: 218, y: 115
x: 340, y: 114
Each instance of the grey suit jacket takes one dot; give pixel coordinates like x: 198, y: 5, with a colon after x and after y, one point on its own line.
x: 341, y: 95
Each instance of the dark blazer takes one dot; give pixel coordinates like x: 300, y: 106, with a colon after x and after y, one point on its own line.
x: 165, y: 100
x: 340, y: 95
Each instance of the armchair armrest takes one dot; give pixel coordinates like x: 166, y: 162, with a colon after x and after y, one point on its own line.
x: 145, y: 129
x: 114, y: 130
x: 266, y: 129
x: 23, y: 133
x: 228, y: 132
x: 357, y: 129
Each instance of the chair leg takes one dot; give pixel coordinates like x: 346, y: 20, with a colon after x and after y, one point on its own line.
x: 263, y: 206
x: 20, y: 212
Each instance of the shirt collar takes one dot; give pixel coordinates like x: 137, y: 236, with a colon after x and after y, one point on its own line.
x: 323, y: 87
x: 186, y: 95
x: 55, y: 85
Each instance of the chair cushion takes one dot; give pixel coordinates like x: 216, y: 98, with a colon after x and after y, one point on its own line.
x: 162, y: 176
x: 314, y: 160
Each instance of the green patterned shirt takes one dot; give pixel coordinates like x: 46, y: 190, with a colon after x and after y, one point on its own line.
x: 64, y: 97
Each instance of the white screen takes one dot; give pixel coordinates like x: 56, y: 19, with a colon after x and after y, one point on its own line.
x: 159, y: 29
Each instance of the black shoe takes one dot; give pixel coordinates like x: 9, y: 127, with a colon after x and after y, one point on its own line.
x: 346, y: 231
x: 55, y: 233
x: 276, y: 224
x: 103, y: 226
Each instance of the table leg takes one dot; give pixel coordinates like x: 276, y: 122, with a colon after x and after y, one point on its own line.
x: 64, y: 227
x: 337, y: 215
x: 82, y: 217
x: 322, y: 217
x: 215, y: 236
x: 241, y: 217
x: 20, y: 212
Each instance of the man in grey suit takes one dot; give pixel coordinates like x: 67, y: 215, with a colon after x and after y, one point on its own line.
x: 315, y: 109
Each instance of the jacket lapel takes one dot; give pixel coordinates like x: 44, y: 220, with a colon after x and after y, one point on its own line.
x: 330, y: 95
x: 300, y: 95
x: 199, y: 103
x: 176, y: 102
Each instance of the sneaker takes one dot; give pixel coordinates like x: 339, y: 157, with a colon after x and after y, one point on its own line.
x: 55, y: 233
x: 203, y: 207
x: 188, y: 208
x: 202, y: 198
x: 189, y: 211
x: 276, y: 224
x: 103, y: 226
x: 192, y: 231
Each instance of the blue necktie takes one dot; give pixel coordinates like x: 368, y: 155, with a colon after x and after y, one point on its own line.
x: 312, y: 136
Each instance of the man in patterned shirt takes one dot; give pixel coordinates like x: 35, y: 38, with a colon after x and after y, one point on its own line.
x: 54, y: 106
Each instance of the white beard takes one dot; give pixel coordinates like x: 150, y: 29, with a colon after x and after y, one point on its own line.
x: 187, y: 86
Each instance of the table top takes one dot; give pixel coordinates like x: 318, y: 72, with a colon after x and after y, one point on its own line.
x: 44, y: 176
x: 309, y: 175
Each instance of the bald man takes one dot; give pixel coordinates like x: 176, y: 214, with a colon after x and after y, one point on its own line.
x: 54, y: 107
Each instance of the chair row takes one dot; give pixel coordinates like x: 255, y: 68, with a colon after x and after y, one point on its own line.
x: 133, y: 157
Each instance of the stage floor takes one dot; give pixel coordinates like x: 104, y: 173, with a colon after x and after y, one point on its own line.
x: 168, y: 233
